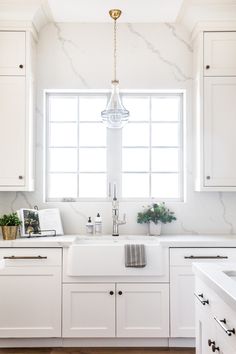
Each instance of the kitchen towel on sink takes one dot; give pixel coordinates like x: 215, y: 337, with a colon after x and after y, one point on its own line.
x: 135, y: 255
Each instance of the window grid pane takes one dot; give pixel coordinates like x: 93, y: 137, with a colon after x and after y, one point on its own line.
x: 74, y: 171
x: 151, y: 147
x: 163, y: 152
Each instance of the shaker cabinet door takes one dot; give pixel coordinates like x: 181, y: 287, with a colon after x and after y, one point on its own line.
x: 13, y: 131
x: 142, y: 310
x: 30, y: 293
x: 13, y: 53
x: 219, y: 132
x: 88, y: 310
x: 220, y: 53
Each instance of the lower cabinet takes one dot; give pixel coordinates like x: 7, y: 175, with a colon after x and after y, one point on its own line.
x: 121, y: 310
x: 182, y: 312
x: 213, y: 320
x: 30, y: 293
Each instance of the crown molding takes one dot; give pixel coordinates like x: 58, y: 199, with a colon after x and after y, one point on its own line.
x: 29, y: 15
x: 213, y: 26
x: 208, y: 14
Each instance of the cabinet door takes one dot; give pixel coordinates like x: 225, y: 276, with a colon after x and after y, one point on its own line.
x: 205, y: 330
x: 220, y: 53
x: 88, y: 310
x: 30, y: 295
x: 182, y: 302
x: 142, y: 310
x: 219, y: 132
x: 12, y: 128
x: 12, y: 48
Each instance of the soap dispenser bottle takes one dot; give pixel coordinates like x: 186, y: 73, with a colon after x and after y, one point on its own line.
x: 89, y: 226
x: 98, y: 224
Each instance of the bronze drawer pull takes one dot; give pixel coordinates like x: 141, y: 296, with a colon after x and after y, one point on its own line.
x: 206, y: 257
x: 225, y: 329
x: 25, y: 257
x: 201, y: 299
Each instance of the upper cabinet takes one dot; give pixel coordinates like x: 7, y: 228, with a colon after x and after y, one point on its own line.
x: 13, y: 53
x: 215, y: 111
x: 17, y: 82
x: 220, y: 53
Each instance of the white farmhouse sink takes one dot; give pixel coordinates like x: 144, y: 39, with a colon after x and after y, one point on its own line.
x: 105, y: 256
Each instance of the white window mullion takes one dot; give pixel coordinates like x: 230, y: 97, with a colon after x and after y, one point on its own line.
x: 114, y: 158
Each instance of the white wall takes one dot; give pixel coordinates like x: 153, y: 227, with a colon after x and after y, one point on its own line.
x: 151, y: 56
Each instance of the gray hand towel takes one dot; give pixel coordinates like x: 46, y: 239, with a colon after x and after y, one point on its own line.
x: 135, y: 255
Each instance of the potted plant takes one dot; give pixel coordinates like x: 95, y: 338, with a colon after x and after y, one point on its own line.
x: 155, y: 215
x: 10, y: 224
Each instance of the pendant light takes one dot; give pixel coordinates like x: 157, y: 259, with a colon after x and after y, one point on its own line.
x: 115, y: 115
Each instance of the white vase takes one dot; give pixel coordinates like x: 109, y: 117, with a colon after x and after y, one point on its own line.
x: 154, y: 229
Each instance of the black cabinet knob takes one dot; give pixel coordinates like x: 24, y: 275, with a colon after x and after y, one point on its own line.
x: 210, y: 342
x: 208, y: 177
x: 120, y: 292
x: 207, y: 67
x: 21, y: 66
x: 111, y: 292
x: 214, y: 348
x: 20, y: 177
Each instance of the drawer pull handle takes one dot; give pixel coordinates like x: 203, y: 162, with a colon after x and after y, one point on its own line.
x: 222, y: 324
x: 111, y: 292
x: 214, y: 348
x: 21, y: 66
x: 206, y: 257
x: 207, y: 67
x: 200, y: 297
x: 25, y: 257
x: 120, y: 292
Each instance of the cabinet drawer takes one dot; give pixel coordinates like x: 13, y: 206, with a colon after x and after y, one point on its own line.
x: 35, y: 257
x: 186, y: 256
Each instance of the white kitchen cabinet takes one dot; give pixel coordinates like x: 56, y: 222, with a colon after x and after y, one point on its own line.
x: 30, y: 295
x: 17, y: 111
x: 215, y: 96
x: 182, y: 313
x: 205, y: 330
x: 219, y: 131
x: 13, y: 52
x: 182, y: 302
x: 211, y: 331
x: 13, y: 130
x: 88, y: 310
x: 115, y: 310
x: 142, y: 310
x: 220, y: 53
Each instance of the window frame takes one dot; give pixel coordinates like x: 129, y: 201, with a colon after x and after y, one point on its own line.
x: 110, y: 179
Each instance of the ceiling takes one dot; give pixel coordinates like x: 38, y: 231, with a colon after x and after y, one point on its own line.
x: 97, y: 10
x: 187, y: 12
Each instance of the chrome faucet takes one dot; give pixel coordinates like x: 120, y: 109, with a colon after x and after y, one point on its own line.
x: 115, y: 215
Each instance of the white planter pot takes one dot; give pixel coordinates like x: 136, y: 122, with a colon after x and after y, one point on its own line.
x: 154, y: 229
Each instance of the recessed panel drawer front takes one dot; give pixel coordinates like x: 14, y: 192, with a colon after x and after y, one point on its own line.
x: 19, y: 258
x: 185, y: 256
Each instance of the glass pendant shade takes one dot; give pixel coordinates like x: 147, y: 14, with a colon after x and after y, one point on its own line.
x: 115, y: 115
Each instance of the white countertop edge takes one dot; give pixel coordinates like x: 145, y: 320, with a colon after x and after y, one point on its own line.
x: 165, y: 240
x: 213, y: 275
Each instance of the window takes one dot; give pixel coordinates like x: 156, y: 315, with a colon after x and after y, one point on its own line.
x: 83, y: 158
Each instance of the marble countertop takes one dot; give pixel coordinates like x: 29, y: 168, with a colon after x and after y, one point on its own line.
x: 221, y: 278
x: 165, y: 240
